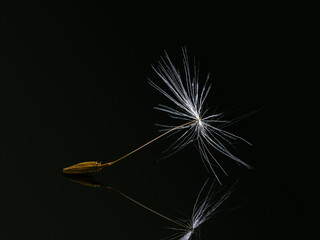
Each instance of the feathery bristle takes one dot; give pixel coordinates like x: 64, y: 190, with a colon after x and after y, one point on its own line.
x: 188, y: 98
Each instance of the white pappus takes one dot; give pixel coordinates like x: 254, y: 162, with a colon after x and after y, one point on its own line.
x: 188, y: 98
x: 206, y: 206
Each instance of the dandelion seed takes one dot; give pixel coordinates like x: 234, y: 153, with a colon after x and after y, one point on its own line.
x: 206, y: 206
x: 188, y: 98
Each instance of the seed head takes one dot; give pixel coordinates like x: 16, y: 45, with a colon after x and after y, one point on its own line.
x: 188, y: 99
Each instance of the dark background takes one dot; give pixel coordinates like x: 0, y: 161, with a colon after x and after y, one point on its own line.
x: 74, y: 87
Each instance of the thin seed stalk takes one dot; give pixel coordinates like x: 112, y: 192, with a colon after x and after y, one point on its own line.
x: 149, y: 209
x: 93, y: 166
x: 89, y: 181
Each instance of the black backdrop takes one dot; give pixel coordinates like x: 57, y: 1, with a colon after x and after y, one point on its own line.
x: 74, y: 87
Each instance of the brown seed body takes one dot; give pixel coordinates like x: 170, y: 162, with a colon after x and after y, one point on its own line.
x: 83, y: 179
x: 84, y: 167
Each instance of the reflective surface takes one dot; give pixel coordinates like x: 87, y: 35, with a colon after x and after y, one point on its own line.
x: 74, y: 88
